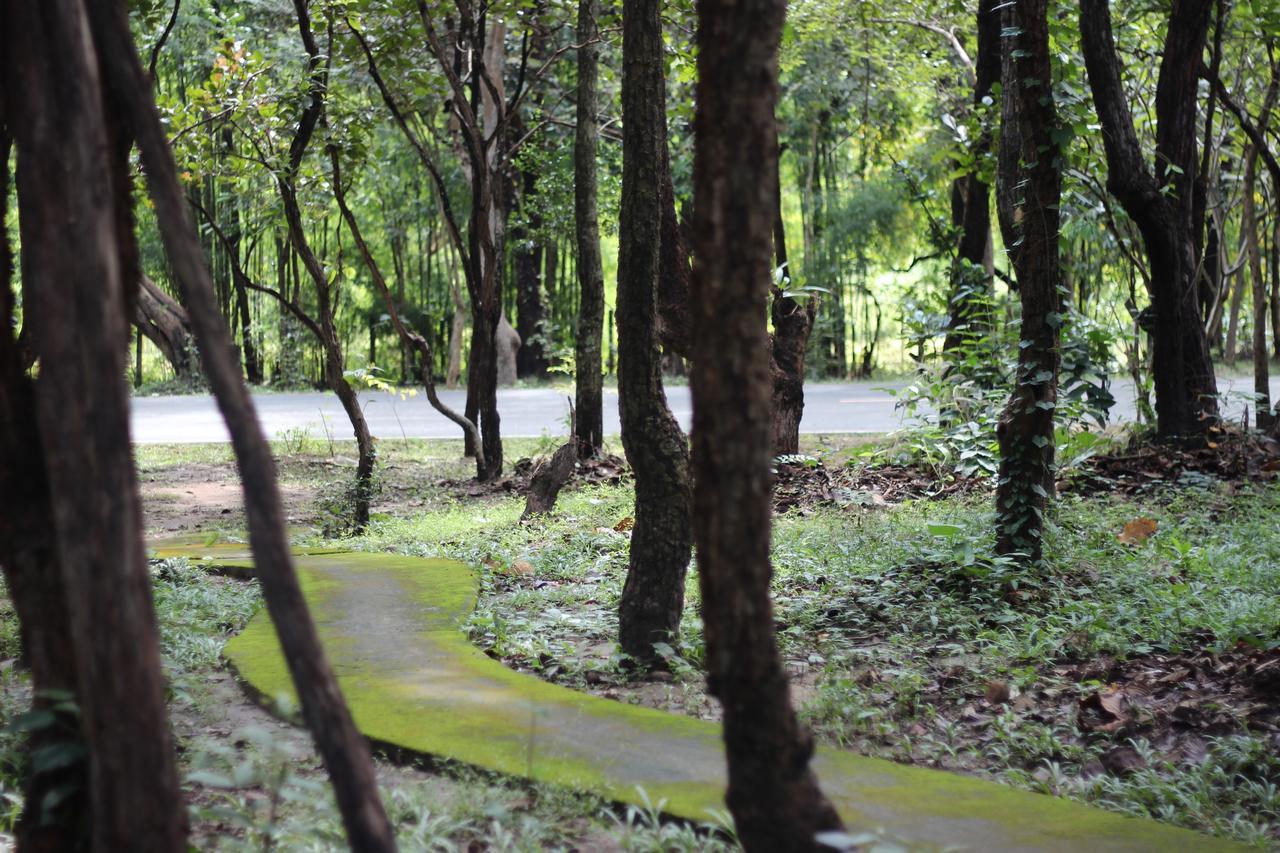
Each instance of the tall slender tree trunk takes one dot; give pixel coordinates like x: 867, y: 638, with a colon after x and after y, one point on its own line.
x: 588, y: 382
x: 344, y: 751
x: 792, y: 322
x: 1028, y: 192
x: 73, y: 190
x: 34, y: 578
x: 773, y: 794
x: 325, y: 329
x: 1161, y: 203
x: 653, y: 596
x: 1251, y: 225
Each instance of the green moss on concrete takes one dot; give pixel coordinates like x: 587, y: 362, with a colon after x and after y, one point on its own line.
x: 432, y: 692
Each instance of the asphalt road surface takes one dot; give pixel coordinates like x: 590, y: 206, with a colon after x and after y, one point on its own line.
x: 847, y: 407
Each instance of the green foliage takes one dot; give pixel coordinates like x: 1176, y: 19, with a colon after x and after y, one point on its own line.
x: 953, y: 405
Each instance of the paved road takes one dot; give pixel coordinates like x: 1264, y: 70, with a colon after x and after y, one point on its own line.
x: 848, y: 407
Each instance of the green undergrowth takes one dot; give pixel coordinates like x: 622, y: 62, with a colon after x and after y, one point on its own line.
x: 254, y: 783
x: 896, y: 622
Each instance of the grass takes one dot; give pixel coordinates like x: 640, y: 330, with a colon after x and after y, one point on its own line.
x: 260, y: 786
x: 892, y: 629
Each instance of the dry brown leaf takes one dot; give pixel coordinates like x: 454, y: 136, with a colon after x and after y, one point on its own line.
x: 1104, y: 711
x: 1137, y: 531
x: 521, y: 567
x: 997, y: 692
x: 625, y: 525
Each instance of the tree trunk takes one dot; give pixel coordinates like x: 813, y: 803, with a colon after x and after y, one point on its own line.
x: 325, y: 326
x: 673, y: 265
x: 792, y: 323
x: 971, y: 274
x: 588, y: 384
x: 70, y: 196
x: 773, y: 794
x: 159, y: 316
x: 343, y: 749
x: 1275, y: 280
x: 653, y: 596
x: 1161, y: 204
x: 34, y: 579
x: 1028, y: 191
x: 1251, y: 225
x: 1231, y: 349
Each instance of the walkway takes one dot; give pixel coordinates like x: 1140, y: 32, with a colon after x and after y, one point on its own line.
x: 391, y: 626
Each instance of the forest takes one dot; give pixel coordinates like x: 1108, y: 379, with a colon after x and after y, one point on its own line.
x: 639, y: 425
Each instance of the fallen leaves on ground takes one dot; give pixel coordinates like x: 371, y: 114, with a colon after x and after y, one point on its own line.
x: 1227, y: 454
x: 1137, y: 531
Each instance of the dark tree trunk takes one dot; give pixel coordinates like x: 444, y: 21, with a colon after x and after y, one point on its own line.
x: 325, y: 326
x: 1028, y: 190
x: 1161, y: 204
x: 549, y: 479
x: 773, y: 794
x: 159, y: 316
x: 249, y: 349
x: 792, y: 323
x: 588, y: 384
x: 673, y: 264
x: 653, y: 596
x: 344, y: 751
x: 73, y: 191
x: 34, y: 579
x: 971, y: 274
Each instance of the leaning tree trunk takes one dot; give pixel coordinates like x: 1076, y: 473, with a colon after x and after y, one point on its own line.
x: 165, y: 323
x: 653, y: 596
x: 341, y: 746
x: 1161, y: 204
x: 1028, y: 190
x: 773, y: 794
x: 74, y: 192
x: 588, y: 384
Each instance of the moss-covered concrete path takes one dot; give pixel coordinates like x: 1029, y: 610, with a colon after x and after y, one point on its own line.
x: 391, y: 626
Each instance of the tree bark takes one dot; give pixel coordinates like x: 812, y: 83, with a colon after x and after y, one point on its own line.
x: 1161, y: 204
x: 1251, y: 225
x: 34, y: 579
x: 343, y: 749
x: 325, y: 325
x: 653, y: 596
x: 588, y: 382
x: 73, y: 191
x: 792, y: 323
x: 773, y: 794
x: 549, y: 479
x: 1028, y: 192
x: 165, y: 323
